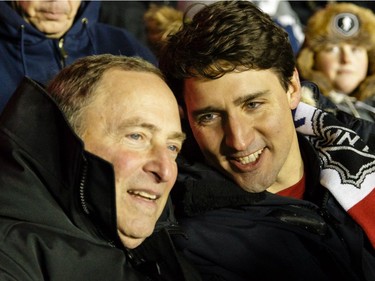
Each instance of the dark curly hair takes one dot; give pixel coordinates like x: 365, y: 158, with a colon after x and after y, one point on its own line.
x: 223, y: 37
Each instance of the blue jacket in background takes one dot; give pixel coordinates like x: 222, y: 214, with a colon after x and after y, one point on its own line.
x: 25, y: 51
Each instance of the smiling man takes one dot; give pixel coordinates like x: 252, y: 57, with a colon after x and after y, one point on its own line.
x: 97, y: 210
x: 274, y: 193
x: 128, y: 128
x: 263, y: 154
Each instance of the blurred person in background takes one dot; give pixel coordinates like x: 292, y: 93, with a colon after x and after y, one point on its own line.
x: 39, y: 38
x: 161, y: 21
x: 339, y: 56
x: 129, y: 15
x: 280, y: 11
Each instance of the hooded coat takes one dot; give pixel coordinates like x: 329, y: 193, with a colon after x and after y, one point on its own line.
x: 25, y: 51
x: 57, y: 205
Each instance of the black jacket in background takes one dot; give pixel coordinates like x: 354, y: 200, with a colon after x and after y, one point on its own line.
x: 57, y: 205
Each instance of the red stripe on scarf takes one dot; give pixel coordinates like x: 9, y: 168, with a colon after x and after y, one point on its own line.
x: 364, y: 214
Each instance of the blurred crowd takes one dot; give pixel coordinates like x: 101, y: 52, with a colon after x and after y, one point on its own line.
x: 337, y: 57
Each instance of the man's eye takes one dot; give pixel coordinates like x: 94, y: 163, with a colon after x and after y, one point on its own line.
x: 206, y: 118
x: 135, y: 136
x: 252, y: 105
x: 174, y: 148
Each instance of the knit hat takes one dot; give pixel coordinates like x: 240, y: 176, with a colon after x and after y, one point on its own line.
x: 339, y: 22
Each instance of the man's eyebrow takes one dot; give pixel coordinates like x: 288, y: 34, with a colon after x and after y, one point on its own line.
x: 237, y: 102
x: 250, y: 97
x: 179, y: 136
x: 133, y: 122
x: 138, y: 122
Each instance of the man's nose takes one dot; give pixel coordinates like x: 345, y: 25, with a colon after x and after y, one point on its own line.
x: 161, y: 164
x: 238, y: 134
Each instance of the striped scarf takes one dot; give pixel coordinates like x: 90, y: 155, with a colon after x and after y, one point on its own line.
x: 348, y: 166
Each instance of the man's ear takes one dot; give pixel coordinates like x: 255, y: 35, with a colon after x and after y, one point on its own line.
x: 294, y: 90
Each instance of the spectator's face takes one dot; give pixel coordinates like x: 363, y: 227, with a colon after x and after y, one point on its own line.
x: 345, y: 66
x: 244, y: 127
x: 134, y: 124
x: 53, y: 18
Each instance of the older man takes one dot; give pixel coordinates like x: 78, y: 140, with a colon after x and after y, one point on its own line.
x: 91, y: 210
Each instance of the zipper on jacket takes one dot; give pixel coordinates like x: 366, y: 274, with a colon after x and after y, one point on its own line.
x: 63, y: 53
x: 82, y: 185
x: 323, y: 211
x: 82, y: 197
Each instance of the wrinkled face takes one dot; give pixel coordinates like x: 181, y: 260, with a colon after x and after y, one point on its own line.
x: 345, y: 66
x: 243, y: 125
x: 136, y: 126
x: 53, y: 18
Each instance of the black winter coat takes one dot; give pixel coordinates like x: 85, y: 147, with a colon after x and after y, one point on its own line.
x: 234, y: 235
x: 57, y: 212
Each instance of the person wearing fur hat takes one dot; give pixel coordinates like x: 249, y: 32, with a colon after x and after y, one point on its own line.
x: 338, y: 55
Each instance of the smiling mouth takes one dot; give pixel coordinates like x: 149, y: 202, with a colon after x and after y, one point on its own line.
x: 143, y: 194
x: 249, y: 158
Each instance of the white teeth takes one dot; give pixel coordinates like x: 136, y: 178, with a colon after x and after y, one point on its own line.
x: 143, y: 194
x: 250, y: 158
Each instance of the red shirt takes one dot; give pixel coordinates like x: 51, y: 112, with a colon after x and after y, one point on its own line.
x: 297, y: 190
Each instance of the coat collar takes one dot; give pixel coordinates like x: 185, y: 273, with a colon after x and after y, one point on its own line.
x: 51, y: 168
